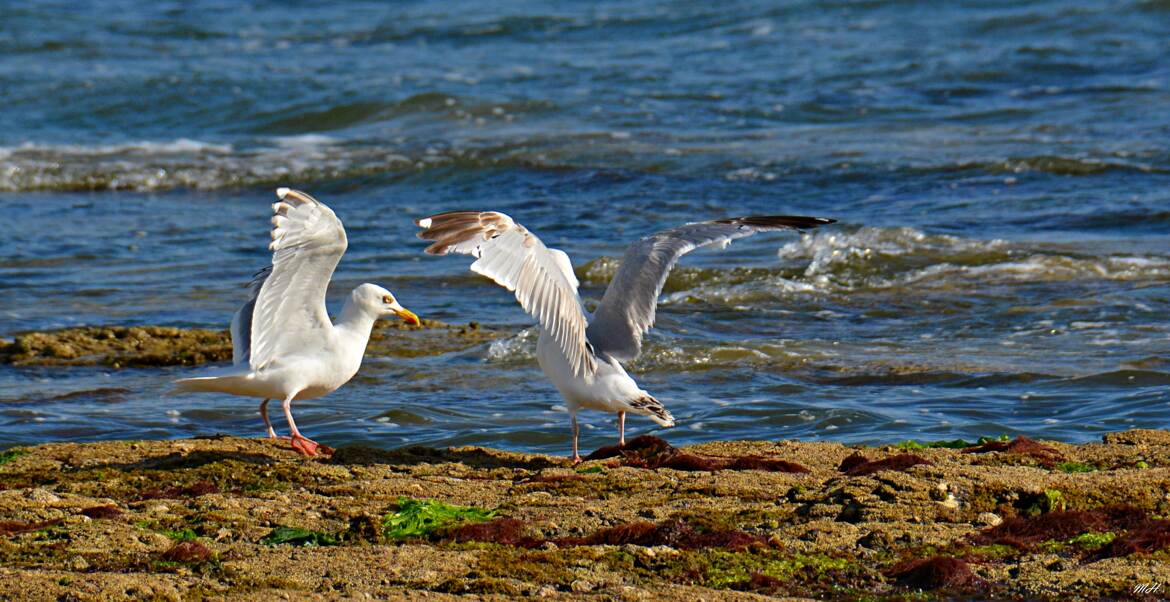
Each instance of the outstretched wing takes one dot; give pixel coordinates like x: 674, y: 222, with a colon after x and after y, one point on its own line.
x: 627, y: 310
x: 307, y: 242
x: 242, y: 322
x: 542, y: 278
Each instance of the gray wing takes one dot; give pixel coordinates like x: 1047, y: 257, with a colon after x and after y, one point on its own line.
x: 541, y: 278
x: 627, y: 310
x: 242, y: 321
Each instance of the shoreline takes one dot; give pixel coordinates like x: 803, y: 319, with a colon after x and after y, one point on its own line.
x: 231, y: 517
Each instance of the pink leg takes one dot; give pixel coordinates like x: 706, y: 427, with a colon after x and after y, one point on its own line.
x: 621, y: 429
x: 267, y: 422
x: 576, y: 431
x: 301, y: 443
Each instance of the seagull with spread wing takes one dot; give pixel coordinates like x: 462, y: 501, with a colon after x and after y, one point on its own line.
x: 580, y: 355
x: 284, y: 346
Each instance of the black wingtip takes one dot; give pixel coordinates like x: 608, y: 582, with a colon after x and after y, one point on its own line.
x: 799, y: 222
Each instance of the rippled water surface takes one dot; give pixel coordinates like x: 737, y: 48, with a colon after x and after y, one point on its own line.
x: 1000, y: 174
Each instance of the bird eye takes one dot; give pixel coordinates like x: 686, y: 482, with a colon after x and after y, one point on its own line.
x: 387, y: 299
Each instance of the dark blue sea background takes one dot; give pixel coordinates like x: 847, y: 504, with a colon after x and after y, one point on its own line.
x: 1000, y: 172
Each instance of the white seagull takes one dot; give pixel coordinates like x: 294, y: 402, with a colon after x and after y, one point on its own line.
x: 284, y: 345
x: 581, y: 355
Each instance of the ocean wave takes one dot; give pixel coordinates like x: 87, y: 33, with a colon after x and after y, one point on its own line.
x: 843, y: 261
x: 155, y: 166
x: 810, y: 360
x: 310, y: 144
x: 306, y: 158
x: 887, y: 257
x: 1064, y: 166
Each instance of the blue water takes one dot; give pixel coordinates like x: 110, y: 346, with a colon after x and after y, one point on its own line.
x: 1000, y: 173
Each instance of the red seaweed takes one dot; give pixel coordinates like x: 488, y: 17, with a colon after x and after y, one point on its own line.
x: 1023, y: 533
x: 1147, y: 538
x: 504, y: 531
x: 760, y: 582
x: 13, y: 527
x: 899, y: 462
x: 187, y: 551
x: 673, y: 533
x: 101, y: 512
x: 642, y: 442
x: 170, y: 493
x: 648, y: 451
x: 1021, y: 446
x: 855, y: 459
x: 933, y: 573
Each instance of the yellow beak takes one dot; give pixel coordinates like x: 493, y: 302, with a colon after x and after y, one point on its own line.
x: 407, y: 316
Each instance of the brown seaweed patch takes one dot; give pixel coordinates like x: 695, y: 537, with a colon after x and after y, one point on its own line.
x: 673, y: 533
x: 650, y: 452
x: 854, y: 460
x: 1147, y: 538
x: 170, y: 493
x: 188, y: 551
x: 13, y: 527
x: 761, y: 583
x: 1021, y: 446
x: 933, y: 573
x: 899, y: 462
x: 1023, y: 533
x: 637, y: 444
x: 101, y: 512
x: 504, y: 531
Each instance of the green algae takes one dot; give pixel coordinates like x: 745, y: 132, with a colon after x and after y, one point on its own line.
x: 996, y: 551
x: 911, y: 444
x: 1050, y: 500
x: 420, y: 518
x: 297, y: 536
x: 9, y: 455
x: 1093, y: 540
x: 183, y: 534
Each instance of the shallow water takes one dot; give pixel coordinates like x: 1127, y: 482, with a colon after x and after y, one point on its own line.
x: 1000, y: 174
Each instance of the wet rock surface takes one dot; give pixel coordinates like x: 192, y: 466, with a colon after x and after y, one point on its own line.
x: 150, y: 346
x: 249, y: 519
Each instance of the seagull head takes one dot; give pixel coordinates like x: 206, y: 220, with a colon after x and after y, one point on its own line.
x: 382, y: 303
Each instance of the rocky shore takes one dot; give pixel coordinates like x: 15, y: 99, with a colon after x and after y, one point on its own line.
x: 224, y: 517
x: 153, y: 346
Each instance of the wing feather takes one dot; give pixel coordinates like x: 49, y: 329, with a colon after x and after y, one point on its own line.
x: 289, y: 309
x: 627, y: 311
x: 241, y: 329
x: 541, y: 278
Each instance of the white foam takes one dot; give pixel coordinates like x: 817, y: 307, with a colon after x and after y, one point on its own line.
x: 521, y: 346
x: 750, y: 174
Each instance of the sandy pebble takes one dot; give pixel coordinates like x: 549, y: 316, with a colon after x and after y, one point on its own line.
x: 988, y: 518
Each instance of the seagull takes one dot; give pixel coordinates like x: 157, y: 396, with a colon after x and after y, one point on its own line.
x: 284, y: 345
x: 581, y: 355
